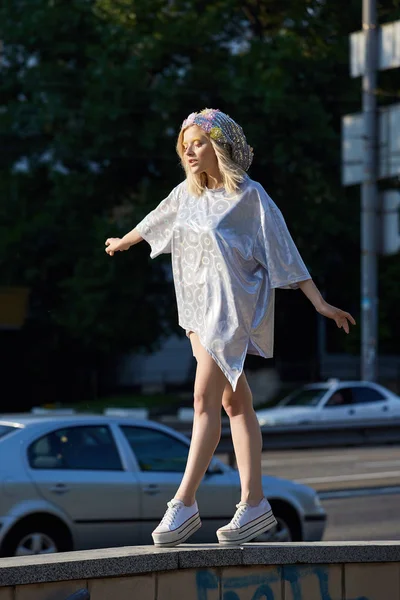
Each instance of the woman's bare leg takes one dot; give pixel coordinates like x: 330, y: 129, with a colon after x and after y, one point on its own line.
x: 246, y: 437
x: 208, y: 389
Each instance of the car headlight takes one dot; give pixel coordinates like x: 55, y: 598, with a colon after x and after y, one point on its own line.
x: 266, y: 421
x: 317, y: 501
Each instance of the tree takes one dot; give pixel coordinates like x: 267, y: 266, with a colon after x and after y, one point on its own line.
x: 77, y: 171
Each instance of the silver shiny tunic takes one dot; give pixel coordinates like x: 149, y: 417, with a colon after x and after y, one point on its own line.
x: 229, y: 252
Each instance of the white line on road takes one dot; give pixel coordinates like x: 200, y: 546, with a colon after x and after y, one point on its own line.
x: 382, y: 463
x: 336, y: 494
x: 353, y: 477
x: 309, y: 460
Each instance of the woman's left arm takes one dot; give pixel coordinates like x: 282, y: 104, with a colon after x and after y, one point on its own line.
x: 340, y: 317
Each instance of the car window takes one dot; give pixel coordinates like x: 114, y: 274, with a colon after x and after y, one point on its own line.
x: 5, y: 429
x: 364, y: 394
x: 307, y: 397
x: 89, y: 448
x: 341, y: 397
x: 155, y: 450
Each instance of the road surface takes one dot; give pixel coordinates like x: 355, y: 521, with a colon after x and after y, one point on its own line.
x: 338, y: 468
x: 365, y: 518
x: 373, y: 514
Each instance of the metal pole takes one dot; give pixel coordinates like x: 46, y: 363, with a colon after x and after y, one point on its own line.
x: 369, y: 200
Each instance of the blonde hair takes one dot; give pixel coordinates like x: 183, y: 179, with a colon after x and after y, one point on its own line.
x: 232, y: 175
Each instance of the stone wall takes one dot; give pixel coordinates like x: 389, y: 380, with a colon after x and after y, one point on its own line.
x: 331, y: 571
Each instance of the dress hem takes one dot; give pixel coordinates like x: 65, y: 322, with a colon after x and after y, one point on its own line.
x: 232, y: 381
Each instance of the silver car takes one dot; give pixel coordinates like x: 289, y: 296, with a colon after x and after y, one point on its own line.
x: 82, y: 481
x: 333, y: 400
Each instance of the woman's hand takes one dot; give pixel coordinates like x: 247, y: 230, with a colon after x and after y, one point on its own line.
x: 340, y: 317
x: 116, y: 245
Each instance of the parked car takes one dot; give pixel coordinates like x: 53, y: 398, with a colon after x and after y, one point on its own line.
x: 333, y: 400
x: 80, y: 481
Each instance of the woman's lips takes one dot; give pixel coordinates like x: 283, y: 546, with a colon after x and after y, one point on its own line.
x: 192, y: 162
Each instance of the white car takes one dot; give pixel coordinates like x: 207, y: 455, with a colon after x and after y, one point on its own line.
x: 79, y: 481
x: 333, y: 400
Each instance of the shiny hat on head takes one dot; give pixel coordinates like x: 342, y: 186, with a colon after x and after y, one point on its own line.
x: 225, y: 131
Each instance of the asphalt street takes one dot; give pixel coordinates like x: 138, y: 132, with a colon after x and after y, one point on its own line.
x: 337, y: 468
x: 359, y: 487
x: 375, y: 516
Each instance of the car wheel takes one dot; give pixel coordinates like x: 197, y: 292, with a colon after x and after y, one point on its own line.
x: 282, y: 532
x: 37, y: 536
x: 288, y: 527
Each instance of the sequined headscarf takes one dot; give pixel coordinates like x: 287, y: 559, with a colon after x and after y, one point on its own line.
x: 225, y: 131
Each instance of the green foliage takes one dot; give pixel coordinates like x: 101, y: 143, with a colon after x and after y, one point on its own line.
x: 93, y: 94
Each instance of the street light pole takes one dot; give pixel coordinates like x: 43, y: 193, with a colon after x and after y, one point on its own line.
x: 369, y: 199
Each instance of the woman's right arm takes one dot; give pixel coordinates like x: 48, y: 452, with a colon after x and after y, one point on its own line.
x: 132, y: 238
x: 156, y: 228
x: 120, y: 244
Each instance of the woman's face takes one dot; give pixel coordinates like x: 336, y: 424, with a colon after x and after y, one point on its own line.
x: 198, y: 152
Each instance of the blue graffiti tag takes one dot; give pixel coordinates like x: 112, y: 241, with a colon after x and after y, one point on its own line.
x: 208, y: 580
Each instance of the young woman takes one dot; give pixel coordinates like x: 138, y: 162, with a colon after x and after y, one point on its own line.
x: 230, y: 249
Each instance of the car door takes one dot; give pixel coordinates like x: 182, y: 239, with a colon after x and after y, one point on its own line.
x: 161, y: 459
x: 79, y: 469
x: 370, y: 403
x: 339, y: 405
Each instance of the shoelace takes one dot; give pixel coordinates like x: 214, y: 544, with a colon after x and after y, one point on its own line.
x: 170, y: 513
x: 241, y: 509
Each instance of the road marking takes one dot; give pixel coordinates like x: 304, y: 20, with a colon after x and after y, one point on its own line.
x: 335, y: 494
x: 309, y: 459
x: 354, y: 477
x: 382, y: 463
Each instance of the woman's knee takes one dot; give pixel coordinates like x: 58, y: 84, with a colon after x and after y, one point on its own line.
x: 233, y: 408
x: 204, y: 402
x: 236, y: 403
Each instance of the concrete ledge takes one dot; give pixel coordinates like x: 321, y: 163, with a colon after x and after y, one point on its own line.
x: 136, y: 560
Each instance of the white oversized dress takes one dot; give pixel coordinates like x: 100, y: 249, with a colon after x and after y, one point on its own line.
x: 229, y: 253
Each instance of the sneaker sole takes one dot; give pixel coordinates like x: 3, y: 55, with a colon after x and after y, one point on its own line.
x: 179, y: 535
x: 247, y: 532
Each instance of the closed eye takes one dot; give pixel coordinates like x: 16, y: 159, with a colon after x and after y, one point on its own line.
x: 196, y: 143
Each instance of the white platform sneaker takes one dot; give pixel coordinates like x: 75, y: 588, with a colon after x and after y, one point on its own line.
x: 248, y: 523
x: 178, y: 523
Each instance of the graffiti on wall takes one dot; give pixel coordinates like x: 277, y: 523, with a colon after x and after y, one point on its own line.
x: 262, y: 586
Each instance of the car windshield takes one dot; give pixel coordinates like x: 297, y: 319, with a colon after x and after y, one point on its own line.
x: 304, y: 397
x: 4, y: 429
